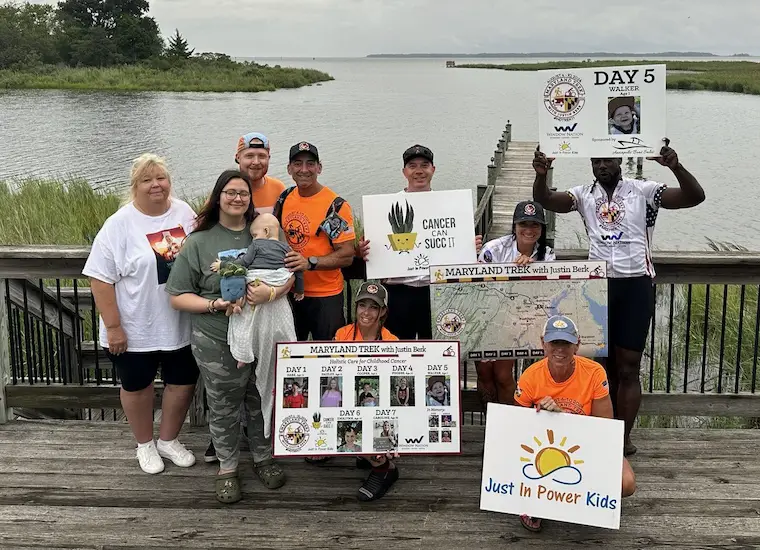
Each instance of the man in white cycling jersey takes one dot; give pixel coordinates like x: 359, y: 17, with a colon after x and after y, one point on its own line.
x: 619, y: 215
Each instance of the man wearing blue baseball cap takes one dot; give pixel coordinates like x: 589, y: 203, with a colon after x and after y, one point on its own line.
x: 565, y: 382
x: 253, y: 157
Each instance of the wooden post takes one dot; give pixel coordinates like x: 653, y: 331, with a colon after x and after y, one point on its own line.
x: 502, y: 146
x: 508, y: 132
x: 493, y: 172
x: 498, y: 158
x: 5, y: 357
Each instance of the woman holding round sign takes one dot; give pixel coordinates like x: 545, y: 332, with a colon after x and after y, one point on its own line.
x: 525, y: 244
x: 370, y: 315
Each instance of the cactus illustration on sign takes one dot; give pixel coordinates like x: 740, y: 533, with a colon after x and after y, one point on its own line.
x: 403, y: 237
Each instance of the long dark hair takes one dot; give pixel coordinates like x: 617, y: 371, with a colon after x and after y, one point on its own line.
x: 541, y: 253
x: 208, y: 217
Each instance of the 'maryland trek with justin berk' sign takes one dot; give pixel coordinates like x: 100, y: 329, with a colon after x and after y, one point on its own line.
x: 602, y: 112
x: 363, y: 398
x: 498, y: 311
x: 565, y: 467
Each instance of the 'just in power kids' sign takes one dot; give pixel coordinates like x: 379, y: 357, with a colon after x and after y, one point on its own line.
x: 602, y: 111
x: 560, y: 466
x: 360, y: 398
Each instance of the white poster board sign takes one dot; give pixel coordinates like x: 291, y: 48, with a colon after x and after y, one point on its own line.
x: 498, y: 311
x: 559, y: 466
x: 409, y: 232
x: 602, y: 111
x: 361, y: 398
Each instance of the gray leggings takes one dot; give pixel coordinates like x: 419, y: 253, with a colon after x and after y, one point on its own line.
x: 227, y: 387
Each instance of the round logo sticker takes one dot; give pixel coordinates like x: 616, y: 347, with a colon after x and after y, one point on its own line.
x: 294, y: 432
x: 564, y: 96
x: 530, y: 209
x: 372, y: 289
x: 303, y: 146
x: 559, y: 323
x: 450, y: 322
x: 610, y: 214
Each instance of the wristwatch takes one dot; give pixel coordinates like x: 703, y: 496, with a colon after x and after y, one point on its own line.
x: 312, y: 263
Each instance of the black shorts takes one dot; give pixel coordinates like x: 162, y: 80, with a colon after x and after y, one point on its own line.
x: 631, y: 304
x: 319, y: 316
x: 409, y: 312
x: 138, y: 369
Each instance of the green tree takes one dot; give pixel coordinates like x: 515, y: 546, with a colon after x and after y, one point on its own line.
x: 27, y: 35
x: 107, y: 32
x: 178, y: 46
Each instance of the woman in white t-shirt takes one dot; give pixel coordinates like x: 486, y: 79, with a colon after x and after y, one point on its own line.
x: 526, y: 244
x: 128, y: 266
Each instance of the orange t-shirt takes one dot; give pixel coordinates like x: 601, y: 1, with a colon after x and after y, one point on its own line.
x: 301, y: 217
x: 346, y: 334
x: 574, y: 395
x: 265, y: 196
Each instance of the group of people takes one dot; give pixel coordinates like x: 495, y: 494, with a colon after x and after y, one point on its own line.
x: 162, y: 307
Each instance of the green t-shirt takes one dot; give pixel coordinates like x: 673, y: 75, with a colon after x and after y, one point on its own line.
x: 191, y: 272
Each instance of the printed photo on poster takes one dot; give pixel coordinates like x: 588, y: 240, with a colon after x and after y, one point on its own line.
x: 166, y: 244
x: 624, y: 114
x: 434, y: 421
x: 438, y: 391
x: 296, y: 394
x: 402, y: 391
x: 350, y: 436
x: 445, y: 436
x: 331, y: 388
x: 368, y: 391
x: 433, y: 436
x: 386, y: 435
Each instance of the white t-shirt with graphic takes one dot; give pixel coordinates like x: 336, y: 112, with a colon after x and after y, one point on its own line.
x: 620, y: 228
x: 504, y: 251
x: 135, y: 252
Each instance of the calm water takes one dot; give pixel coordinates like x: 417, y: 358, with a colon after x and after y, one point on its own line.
x: 361, y: 123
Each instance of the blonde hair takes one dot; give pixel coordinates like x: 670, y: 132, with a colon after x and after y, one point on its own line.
x: 144, y: 164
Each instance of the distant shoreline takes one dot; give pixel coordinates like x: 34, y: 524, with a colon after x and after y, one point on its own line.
x: 543, y: 55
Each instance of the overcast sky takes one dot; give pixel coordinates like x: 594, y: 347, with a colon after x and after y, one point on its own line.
x: 319, y: 28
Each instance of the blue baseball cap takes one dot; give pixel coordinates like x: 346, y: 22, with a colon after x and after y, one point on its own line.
x: 560, y: 328
x: 245, y: 142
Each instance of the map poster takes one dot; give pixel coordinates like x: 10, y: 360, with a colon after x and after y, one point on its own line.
x: 365, y: 398
x: 602, y: 111
x: 498, y: 311
x: 409, y: 232
x: 560, y: 466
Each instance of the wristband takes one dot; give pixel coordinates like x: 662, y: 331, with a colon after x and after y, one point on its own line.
x: 272, y: 293
x: 210, y: 307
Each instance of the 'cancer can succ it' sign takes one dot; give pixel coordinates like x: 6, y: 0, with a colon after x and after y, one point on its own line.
x: 602, y: 111
x: 559, y: 466
x: 409, y: 232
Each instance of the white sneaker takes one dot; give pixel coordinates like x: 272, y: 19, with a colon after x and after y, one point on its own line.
x: 150, y: 461
x: 176, y: 452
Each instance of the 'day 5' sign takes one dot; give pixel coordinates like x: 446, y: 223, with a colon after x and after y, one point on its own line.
x: 558, y: 466
x: 602, y: 112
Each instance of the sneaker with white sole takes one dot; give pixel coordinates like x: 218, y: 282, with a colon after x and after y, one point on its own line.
x: 176, y: 452
x: 150, y: 461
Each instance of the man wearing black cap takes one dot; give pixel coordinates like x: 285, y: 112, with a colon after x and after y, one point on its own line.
x: 619, y: 215
x: 409, y: 314
x: 319, y: 227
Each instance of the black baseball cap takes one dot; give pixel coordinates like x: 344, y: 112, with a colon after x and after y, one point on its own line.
x: 303, y: 147
x: 373, y: 291
x: 529, y: 211
x: 418, y: 151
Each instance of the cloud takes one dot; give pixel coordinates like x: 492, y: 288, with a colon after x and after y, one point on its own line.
x: 320, y: 28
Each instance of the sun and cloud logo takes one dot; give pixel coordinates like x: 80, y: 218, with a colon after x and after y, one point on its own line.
x: 552, y: 461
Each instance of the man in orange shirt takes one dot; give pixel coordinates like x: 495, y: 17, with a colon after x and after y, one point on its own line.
x: 253, y: 157
x: 565, y: 382
x: 319, y: 227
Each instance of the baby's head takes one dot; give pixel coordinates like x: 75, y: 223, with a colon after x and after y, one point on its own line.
x: 265, y: 226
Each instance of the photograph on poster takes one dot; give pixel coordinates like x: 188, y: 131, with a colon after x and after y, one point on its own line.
x: 446, y: 436
x: 402, y: 391
x: 433, y: 421
x: 624, y: 114
x: 386, y: 435
x: 433, y: 436
x: 438, y: 391
x: 331, y: 389
x: 296, y: 395
x: 350, y: 436
x: 368, y: 391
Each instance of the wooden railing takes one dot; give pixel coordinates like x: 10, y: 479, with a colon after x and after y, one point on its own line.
x: 701, y: 358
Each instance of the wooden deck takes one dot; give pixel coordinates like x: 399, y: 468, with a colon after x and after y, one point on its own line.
x: 514, y: 183
x: 77, y: 485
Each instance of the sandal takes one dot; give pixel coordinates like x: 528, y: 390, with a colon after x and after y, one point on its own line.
x: 531, y: 523
x: 228, y: 488
x: 270, y: 473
